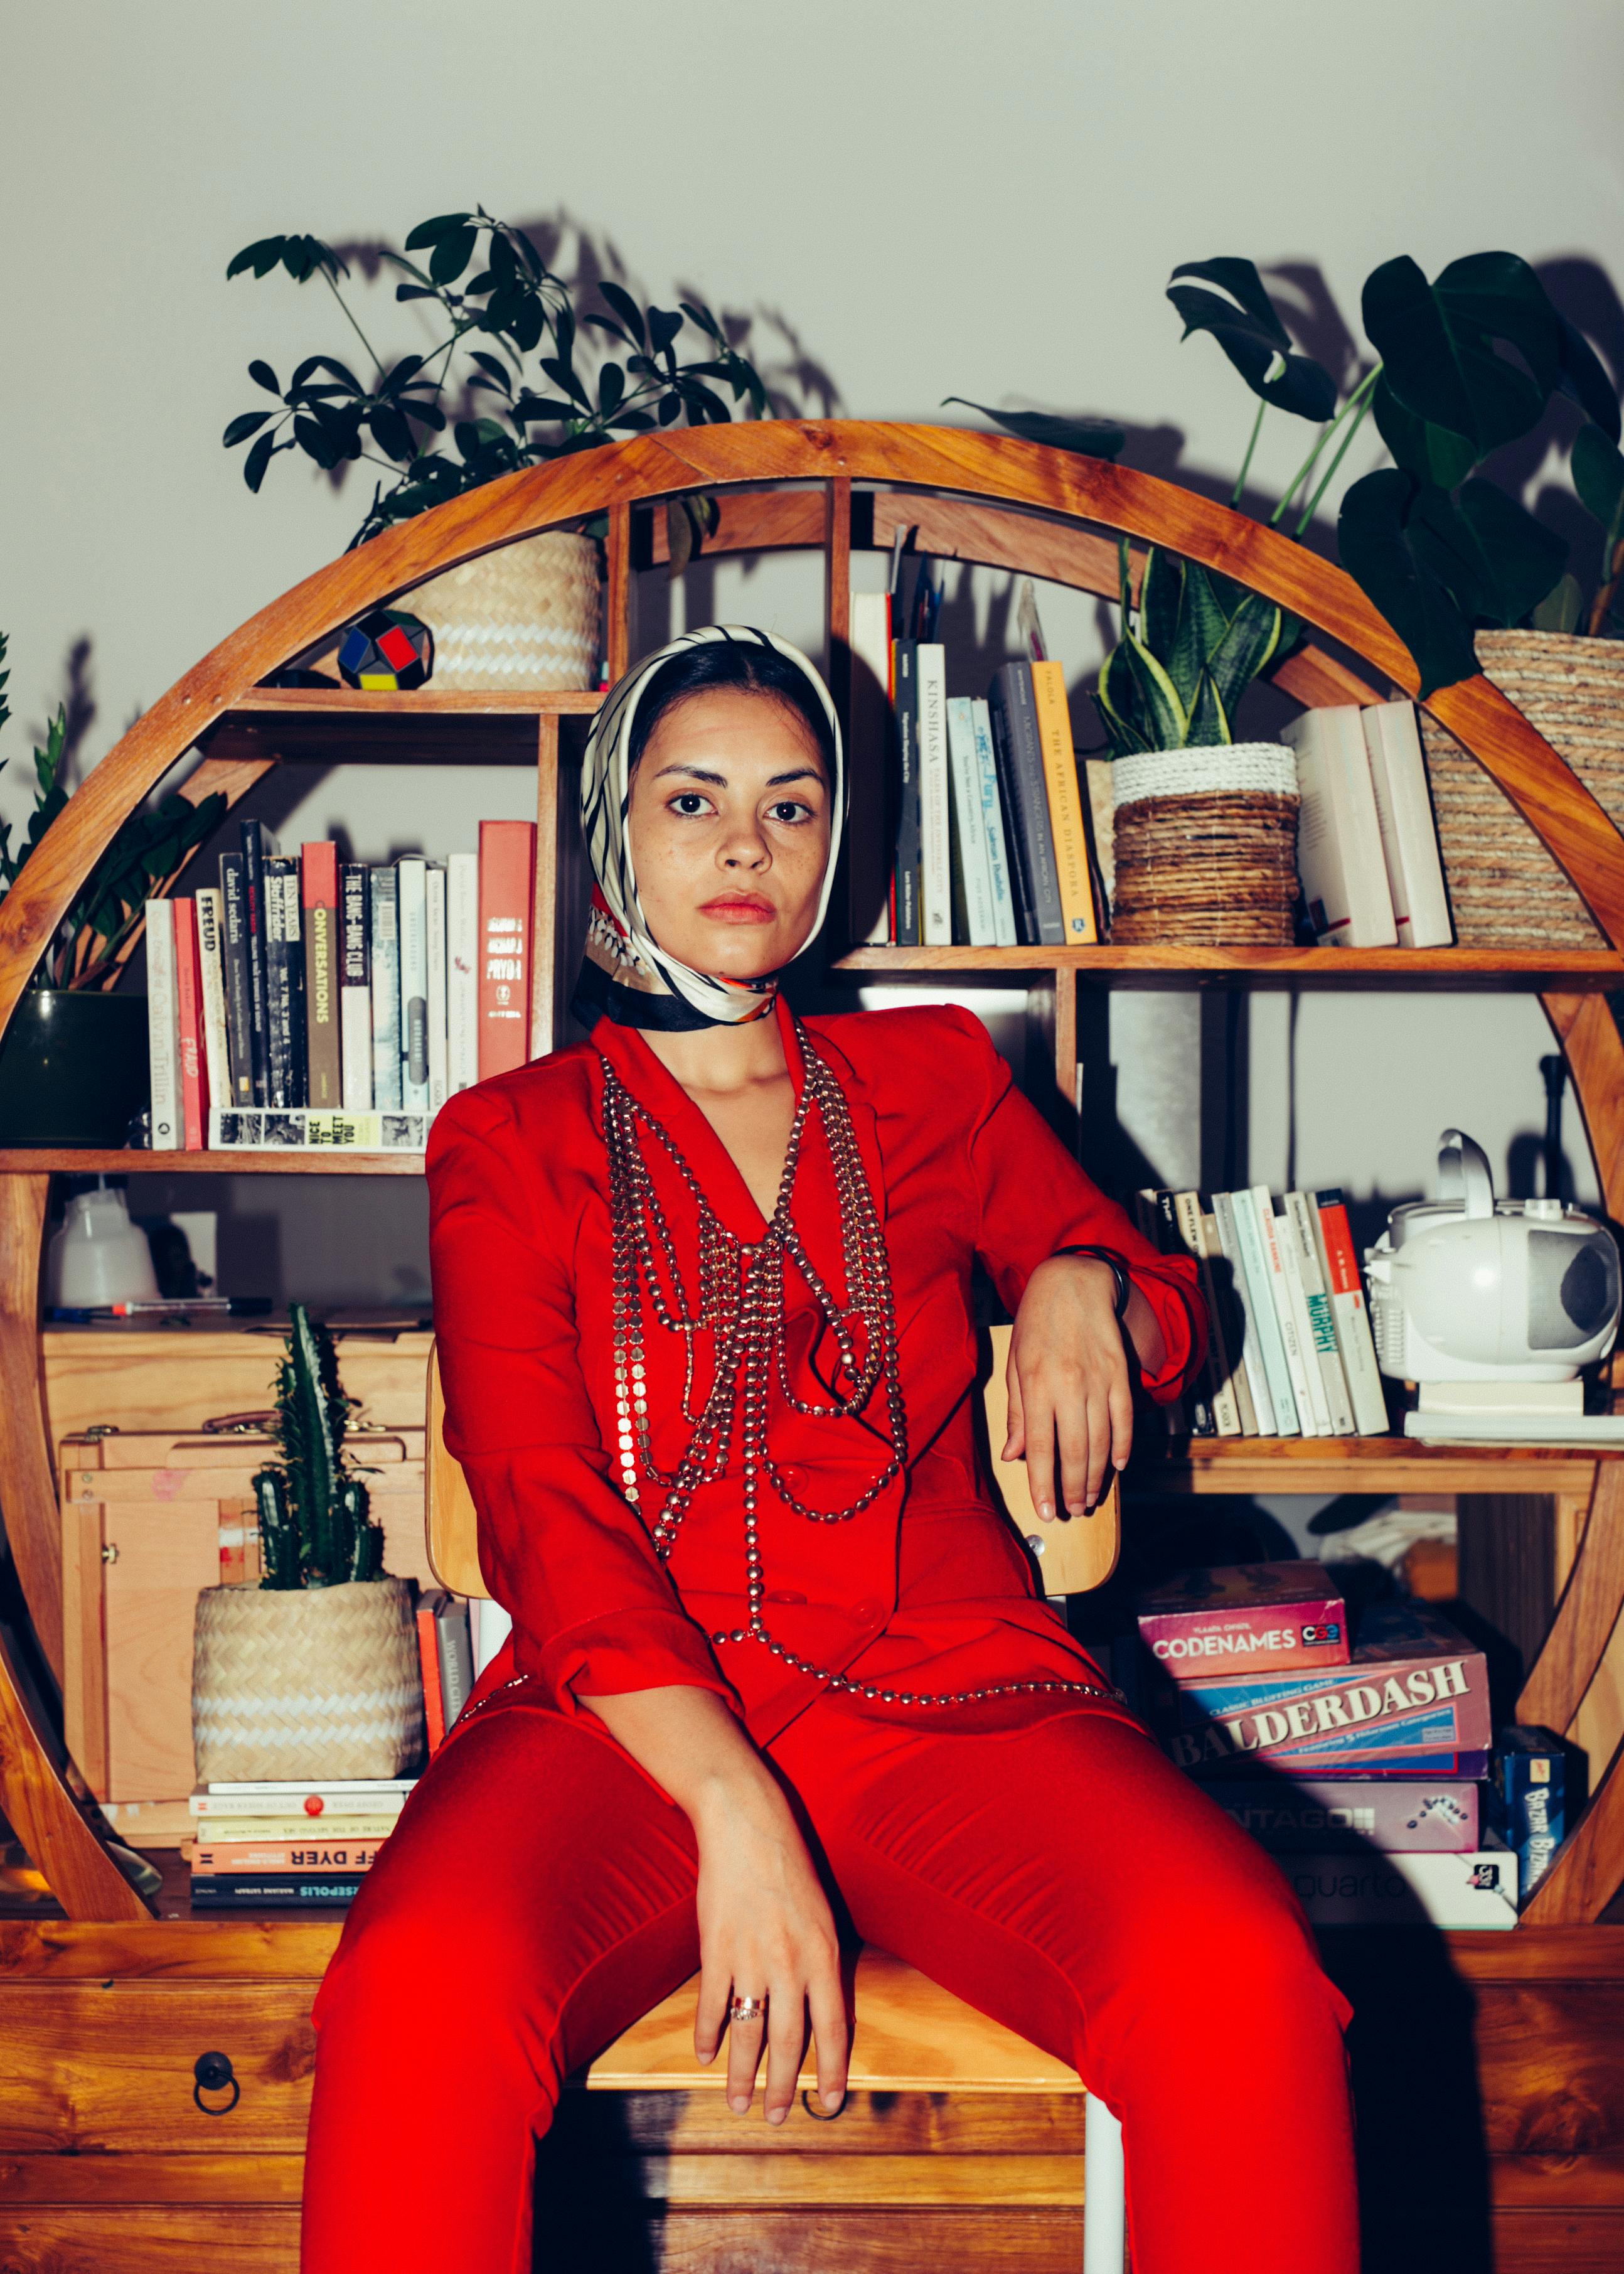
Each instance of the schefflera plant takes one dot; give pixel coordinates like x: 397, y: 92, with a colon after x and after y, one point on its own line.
x: 1189, y: 650
x: 314, y: 1528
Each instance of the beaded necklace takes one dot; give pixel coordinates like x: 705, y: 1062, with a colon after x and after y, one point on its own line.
x: 739, y: 1307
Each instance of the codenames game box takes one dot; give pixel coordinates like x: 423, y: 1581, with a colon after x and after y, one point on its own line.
x: 1262, y: 1618
x: 1413, y: 1702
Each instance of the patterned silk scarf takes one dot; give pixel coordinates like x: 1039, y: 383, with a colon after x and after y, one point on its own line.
x: 625, y: 977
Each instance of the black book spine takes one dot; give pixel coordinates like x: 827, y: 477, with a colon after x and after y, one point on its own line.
x: 905, y: 671
x: 253, y: 895
x: 284, y: 982
x: 357, y: 967
x: 239, y: 1013
x: 1198, y: 1403
x: 1014, y: 835
x: 256, y: 1890
x: 1030, y: 789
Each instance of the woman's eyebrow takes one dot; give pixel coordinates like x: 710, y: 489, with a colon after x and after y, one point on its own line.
x: 708, y: 774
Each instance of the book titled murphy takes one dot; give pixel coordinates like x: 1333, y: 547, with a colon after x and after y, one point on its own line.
x: 1413, y: 1701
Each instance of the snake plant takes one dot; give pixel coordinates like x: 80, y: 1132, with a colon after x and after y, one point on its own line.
x: 314, y: 1529
x: 1188, y: 652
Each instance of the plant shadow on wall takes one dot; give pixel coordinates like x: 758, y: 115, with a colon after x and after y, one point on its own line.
x: 531, y: 345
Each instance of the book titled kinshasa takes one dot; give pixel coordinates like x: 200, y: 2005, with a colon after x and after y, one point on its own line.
x: 1263, y: 1618
x: 1401, y: 1816
x: 1414, y: 1701
x: 303, y: 1129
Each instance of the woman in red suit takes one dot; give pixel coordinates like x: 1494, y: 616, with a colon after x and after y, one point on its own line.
x: 702, y: 1291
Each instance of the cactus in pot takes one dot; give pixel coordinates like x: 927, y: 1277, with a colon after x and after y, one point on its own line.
x: 314, y: 1673
x: 314, y: 1529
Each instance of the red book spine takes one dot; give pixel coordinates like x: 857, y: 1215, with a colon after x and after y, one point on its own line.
x: 428, y: 1656
x: 213, y: 1857
x: 189, y: 1019
x: 1337, y: 1234
x: 323, y: 1053
x: 507, y: 908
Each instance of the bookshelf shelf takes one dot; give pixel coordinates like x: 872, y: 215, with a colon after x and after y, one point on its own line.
x: 837, y: 487
x: 229, y: 1161
x: 1539, y: 971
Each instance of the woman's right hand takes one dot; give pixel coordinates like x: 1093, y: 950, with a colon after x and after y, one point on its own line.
x: 765, y: 1931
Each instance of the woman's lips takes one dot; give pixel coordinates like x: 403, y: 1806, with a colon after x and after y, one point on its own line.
x: 739, y: 911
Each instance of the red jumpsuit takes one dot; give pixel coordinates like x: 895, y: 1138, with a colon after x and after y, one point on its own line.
x: 1032, y: 1851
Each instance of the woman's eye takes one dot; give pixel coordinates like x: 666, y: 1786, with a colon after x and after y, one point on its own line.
x: 689, y: 802
x: 791, y: 809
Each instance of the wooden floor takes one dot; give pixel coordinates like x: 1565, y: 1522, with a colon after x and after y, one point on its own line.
x: 1489, y: 2073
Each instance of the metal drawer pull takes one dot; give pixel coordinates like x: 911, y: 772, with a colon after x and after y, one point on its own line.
x: 214, y: 2073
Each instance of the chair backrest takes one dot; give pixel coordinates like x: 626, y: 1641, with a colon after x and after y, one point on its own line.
x: 1072, y: 1556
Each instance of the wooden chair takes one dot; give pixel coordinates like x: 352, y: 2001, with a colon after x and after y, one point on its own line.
x: 909, y: 2035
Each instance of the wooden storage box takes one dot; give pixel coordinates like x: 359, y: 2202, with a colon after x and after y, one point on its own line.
x: 148, y: 1519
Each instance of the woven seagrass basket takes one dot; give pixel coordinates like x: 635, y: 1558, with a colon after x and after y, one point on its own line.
x: 321, y: 1682
x: 529, y: 616
x: 1505, y: 889
x: 1206, y: 847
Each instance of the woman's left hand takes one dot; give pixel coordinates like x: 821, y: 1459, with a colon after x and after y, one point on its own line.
x: 1068, y: 1383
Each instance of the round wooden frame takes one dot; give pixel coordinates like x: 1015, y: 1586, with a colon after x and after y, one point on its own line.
x: 801, y: 476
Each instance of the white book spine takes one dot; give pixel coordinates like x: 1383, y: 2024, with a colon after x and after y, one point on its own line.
x: 300, y: 1128
x: 162, y: 1031
x: 463, y: 970
x: 1285, y: 1313
x: 212, y: 987
x: 413, y: 875
x: 1340, y: 858
x: 1312, y: 1380
x: 968, y: 830
x: 992, y: 821
x: 439, y: 1035
x: 1297, y: 1231
x: 1409, y: 838
x: 355, y: 1041
x: 1252, y: 1346
x: 870, y: 759
x: 935, y: 849
x: 1265, y: 1312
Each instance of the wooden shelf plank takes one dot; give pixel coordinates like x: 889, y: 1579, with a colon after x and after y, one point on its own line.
x: 231, y: 1161
x: 309, y: 726
x: 1356, y: 1464
x: 1571, y: 969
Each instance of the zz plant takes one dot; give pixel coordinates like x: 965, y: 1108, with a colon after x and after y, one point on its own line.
x: 314, y: 1528
x: 504, y: 381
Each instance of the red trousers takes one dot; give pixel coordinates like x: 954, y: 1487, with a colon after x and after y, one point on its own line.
x: 538, y: 1896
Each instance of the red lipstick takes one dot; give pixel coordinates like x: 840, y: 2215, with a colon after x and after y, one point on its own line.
x: 739, y: 908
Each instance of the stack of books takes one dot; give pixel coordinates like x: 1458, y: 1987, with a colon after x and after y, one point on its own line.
x: 309, y: 1001
x: 445, y: 1647
x: 1367, y: 845
x: 277, y: 1845
x: 1361, y: 1769
x: 1289, y: 1349
x: 979, y: 800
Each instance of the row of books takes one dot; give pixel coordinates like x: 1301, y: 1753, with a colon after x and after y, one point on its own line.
x: 1369, y: 1770
x: 1289, y: 1350
x: 274, y: 1844
x: 979, y: 801
x: 1366, y: 845
x: 308, y: 1001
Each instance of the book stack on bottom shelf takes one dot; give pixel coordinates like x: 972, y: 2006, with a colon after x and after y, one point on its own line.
x: 282, y: 1844
x: 1361, y: 1769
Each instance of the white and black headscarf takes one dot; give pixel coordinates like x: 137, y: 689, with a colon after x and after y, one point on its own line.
x: 624, y: 976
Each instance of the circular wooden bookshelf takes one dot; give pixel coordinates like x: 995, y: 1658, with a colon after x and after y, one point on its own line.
x: 834, y: 486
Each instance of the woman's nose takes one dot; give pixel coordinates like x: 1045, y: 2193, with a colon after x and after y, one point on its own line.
x: 745, y: 847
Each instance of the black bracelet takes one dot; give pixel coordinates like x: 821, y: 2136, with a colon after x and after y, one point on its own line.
x: 1114, y: 1265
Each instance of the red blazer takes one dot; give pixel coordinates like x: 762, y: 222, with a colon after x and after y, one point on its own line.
x: 926, y: 1588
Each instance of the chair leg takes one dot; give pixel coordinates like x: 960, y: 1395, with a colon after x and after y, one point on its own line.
x: 1105, y: 2203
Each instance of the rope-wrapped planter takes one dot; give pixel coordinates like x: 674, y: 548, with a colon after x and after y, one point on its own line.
x: 1204, y: 844
x: 1505, y: 889
x: 529, y: 616
x: 317, y: 1681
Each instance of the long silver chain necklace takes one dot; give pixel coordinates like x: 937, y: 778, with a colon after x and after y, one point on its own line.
x: 739, y: 1309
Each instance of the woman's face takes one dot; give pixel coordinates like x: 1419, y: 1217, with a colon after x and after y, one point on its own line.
x: 730, y: 823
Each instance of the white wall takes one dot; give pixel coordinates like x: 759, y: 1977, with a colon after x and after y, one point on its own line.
x: 933, y: 200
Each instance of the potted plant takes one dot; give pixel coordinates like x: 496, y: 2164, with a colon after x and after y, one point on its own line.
x: 73, y: 1064
x: 527, y: 614
x: 314, y: 1672
x: 1205, y: 847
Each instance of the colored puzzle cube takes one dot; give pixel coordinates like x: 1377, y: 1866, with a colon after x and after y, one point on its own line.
x: 386, y: 650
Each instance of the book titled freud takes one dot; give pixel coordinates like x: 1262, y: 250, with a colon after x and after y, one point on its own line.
x: 1413, y: 1701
